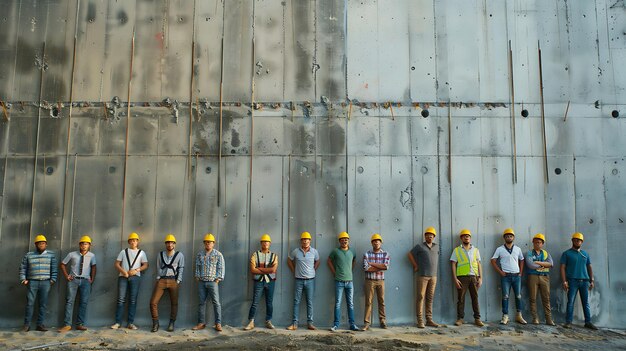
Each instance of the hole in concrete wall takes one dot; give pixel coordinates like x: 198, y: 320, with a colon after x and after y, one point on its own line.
x: 112, y: 169
x: 424, y: 170
x: 614, y: 171
x: 524, y: 113
x: 615, y: 113
x: 425, y: 113
x: 494, y: 170
x: 54, y: 112
x: 412, y: 68
x: 49, y: 170
x: 590, y: 220
x: 557, y: 171
x: 208, y: 170
x: 359, y: 169
x: 472, y: 182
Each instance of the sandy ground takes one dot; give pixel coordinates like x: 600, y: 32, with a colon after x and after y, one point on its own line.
x: 491, y: 337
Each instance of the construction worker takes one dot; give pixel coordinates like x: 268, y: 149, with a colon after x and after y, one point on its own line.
x: 375, y: 262
x: 263, y: 266
x: 130, y: 262
x: 341, y: 262
x: 170, y: 267
x: 510, y: 268
x: 467, y: 271
x: 79, y: 280
x: 303, y: 262
x: 425, y: 260
x: 538, y: 262
x: 577, y: 277
x: 38, y: 272
x: 210, y: 269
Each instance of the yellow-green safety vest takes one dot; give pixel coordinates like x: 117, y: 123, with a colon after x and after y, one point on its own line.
x: 463, y: 262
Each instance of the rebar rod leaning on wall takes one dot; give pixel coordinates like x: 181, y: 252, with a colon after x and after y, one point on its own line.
x: 251, y: 143
x: 449, y: 144
x: 543, y: 116
x: 130, y: 80
x: 193, y: 55
x: 219, y: 159
x: 566, y: 111
x: 513, y: 134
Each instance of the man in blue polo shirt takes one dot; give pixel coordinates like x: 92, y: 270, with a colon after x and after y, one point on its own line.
x: 303, y: 261
x: 577, y: 276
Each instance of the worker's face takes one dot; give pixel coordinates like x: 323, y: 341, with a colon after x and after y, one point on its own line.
x: 305, y: 243
x: 41, y: 246
x: 133, y: 243
x: 429, y: 237
x: 170, y: 245
x: 537, y: 244
x: 265, y: 245
x: 466, y: 238
x: 208, y: 245
x: 343, y: 242
x: 577, y: 243
x: 376, y: 244
x: 508, y: 238
x: 84, y: 247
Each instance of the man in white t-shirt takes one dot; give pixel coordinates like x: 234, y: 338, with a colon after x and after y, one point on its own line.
x: 130, y: 262
x: 510, y: 268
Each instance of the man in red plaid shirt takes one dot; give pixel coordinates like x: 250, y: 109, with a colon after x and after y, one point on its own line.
x: 375, y: 263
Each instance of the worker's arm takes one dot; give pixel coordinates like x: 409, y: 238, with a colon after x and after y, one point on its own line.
x: 290, y: 264
x: 494, y: 263
x: 480, y: 275
x: 412, y: 259
x: 317, y: 264
x: 456, y: 279
x: 64, y: 271
x: 118, y: 266
x: 591, y: 280
x: 521, y: 267
x: 92, y: 276
x: 330, y: 265
x: 564, y: 278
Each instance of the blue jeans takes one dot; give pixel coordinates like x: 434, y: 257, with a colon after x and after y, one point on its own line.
x: 83, y: 288
x: 126, y: 286
x: 36, y: 288
x: 576, y: 285
x: 515, y: 281
x: 259, y: 288
x: 308, y: 285
x: 209, y: 290
x: 340, y: 288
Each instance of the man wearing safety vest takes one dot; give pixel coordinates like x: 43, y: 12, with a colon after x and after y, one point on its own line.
x: 303, y: 262
x: 511, y: 267
x: 263, y: 266
x: 425, y: 260
x: 79, y: 280
x: 210, y: 269
x: 170, y: 267
x: 538, y: 262
x: 341, y: 262
x: 130, y: 263
x: 577, y: 277
x: 467, y: 272
x: 38, y: 272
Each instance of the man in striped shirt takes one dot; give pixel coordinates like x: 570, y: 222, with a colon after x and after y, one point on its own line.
x: 38, y: 272
x: 375, y: 263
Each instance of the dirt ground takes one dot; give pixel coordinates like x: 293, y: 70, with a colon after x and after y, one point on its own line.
x: 467, y: 337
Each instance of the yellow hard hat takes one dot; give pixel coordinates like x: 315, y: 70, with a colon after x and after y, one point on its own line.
x: 508, y: 231
x: 39, y: 238
x: 305, y: 235
x: 85, y: 239
x: 343, y: 235
x: 376, y: 236
x: 465, y: 232
x: 170, y: 237
x: 578, y: 235
x: 133, y: 236
x: 209, y: 237
x: 266, y: 237
x: 431, y: 230
x: 540, y: 236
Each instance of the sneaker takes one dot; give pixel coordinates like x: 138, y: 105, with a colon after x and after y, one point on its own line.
x: 550, y: 322
x: 589, y: 325
x: 535, y: 321
x: 25, y: 328
x: 115, y: 326
x: 366, y: 327
x: 459, y: 322
x: 131, y: 326
x: 269, y: 325
x: 65, y: 328
x: 505, y: 319
x: 218, y: 327
x: 420, y: 324
x: 42, y: 328
x: 250, y: 325
x: 479, y: 323
x: 292, y: 327
x: 81, y: 327
x: 199, y: 326
x: 334, y: 328
x: 519, y: 318
x: 310, y: 326
x: 567, y: 325
x: 353, y: 327
x: 432, y: 324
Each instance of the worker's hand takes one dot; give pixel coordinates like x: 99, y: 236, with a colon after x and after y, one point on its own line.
x: 69, y: 278
x: 217, y: 281
x: 25, y: 282
x: 90, y: 280
x: 502, y: 274
x: 591, y: 285
x: 479, y: 283
x: 565, y: 286
x: 51, y: 282
x: 415, y: 268
x: 458, y: 283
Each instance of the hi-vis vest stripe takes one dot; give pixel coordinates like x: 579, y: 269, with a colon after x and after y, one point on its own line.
x: 463, y: 262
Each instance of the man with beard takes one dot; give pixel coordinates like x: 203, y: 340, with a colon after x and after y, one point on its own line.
x: 577, y: 277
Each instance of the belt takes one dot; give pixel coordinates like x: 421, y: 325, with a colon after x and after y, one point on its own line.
x: 343, y: 281
x: 577, y: 279
x: 512, y: 274
x: 81, y: 278
x: 542, y: 274
x: 305, y: 278
x: 167, y: 277
x: 374, y: 279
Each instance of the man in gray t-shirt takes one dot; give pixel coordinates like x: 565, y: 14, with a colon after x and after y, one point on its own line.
x: 425, y: 260
x: 303, y: 261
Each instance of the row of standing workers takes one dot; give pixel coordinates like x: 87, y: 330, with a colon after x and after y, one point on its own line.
x: 38, y: 272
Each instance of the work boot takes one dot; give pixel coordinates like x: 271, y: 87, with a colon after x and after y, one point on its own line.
x: 292, y: 327
x: 155, y: 325
x: 505, y: 319
x: 269, y: 325
x: 199, y: 326
x: 589, y: 325
x: 170, y: 327
x: 479, y: 323
x: 549, y: 321
x: 567, y: 325
x: 42, y: 328
x: 250, y: 325
x: 519, y: 318
x: 310, y: 326
x: 81, y: 327
x: 26, y: 328
x: 65, y: 328
x: 218, y: 327
x: 459, y: 322
x: 431, y: 323
x: 420, y: 323
x: 131, y: 326
x: 535, y: 320
x: 366, y: 327
x: 115, y: 326
x: 383, y: 324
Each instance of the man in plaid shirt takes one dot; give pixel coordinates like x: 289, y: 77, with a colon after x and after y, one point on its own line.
x: 375, y: 263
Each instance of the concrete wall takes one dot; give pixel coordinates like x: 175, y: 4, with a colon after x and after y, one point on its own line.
x: 322, y: 129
